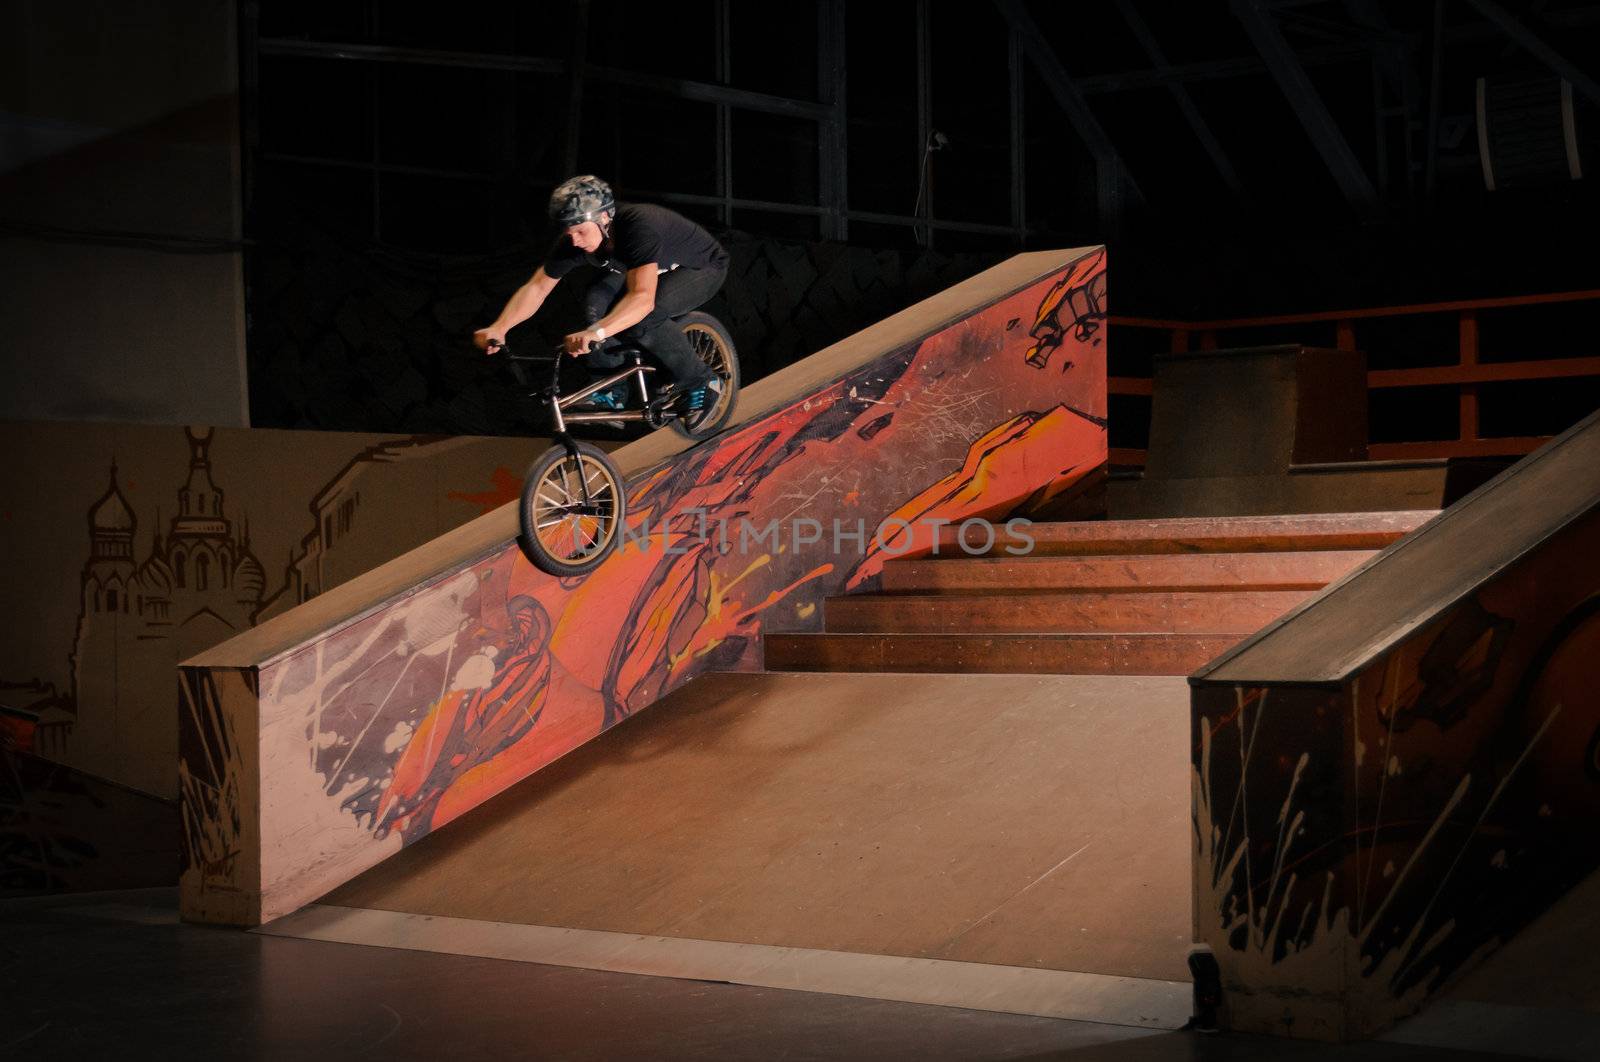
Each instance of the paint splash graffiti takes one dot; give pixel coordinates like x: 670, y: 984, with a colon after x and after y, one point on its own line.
x: 1358, y: 847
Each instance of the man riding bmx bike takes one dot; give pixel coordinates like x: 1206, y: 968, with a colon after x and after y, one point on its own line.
x: 655, y: 265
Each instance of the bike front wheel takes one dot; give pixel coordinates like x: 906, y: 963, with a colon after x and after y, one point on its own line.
x: 572, y: 510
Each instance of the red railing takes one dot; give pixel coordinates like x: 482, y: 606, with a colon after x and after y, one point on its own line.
x: 1467, y: 374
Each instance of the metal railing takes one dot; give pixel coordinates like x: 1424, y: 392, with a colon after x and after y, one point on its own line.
x: 1468, y: 374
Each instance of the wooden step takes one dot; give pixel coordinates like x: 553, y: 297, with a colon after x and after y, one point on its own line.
x: 1300, y: 570
x: 1020, y: 654
x: 1022, y: 612
x: 1220, y: 534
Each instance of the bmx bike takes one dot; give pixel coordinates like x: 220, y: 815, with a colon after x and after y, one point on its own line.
x: 574, y: 500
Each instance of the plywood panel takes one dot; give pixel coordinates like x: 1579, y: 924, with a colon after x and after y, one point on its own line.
x: 1024, y: 821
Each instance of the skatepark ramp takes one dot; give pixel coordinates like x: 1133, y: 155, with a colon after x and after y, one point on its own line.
x: 329, y: 738
x: 1399, y: 774
x: 975, y: 795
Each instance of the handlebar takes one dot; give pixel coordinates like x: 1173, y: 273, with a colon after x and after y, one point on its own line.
x: 505, y: 348
x: 554, y: 361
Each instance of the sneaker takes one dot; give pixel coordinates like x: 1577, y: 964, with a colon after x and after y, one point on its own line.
x: 612, y: 399
x: 699, y: 402
x: 671, y: 395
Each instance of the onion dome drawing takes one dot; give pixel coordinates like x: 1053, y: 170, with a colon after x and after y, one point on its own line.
x: 111, y: 513
x: 249, y: 579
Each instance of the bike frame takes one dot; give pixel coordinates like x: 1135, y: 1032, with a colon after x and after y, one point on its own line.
x: 559, y: 403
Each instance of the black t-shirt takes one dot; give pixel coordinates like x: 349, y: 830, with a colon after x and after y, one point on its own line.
x: 640, y: 235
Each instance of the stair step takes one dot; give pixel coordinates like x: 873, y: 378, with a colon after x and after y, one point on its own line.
x: 1016, y: 654
x: 1025, y: 612
x: 1301, y: 570
x: 1220, y: 534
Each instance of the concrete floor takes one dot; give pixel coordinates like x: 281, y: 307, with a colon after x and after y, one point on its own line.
x: 116, y: 976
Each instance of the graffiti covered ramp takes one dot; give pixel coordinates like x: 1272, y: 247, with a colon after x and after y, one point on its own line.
x: 1396, y: 778
x: 334, y: 735
x: 988, y: 832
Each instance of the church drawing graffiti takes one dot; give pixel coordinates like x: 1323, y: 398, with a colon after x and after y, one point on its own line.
x: 165, y: 562
x: 198, y: 583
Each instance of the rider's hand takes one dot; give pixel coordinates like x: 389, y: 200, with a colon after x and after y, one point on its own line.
x: 578, y: 343
x: 489, y: 340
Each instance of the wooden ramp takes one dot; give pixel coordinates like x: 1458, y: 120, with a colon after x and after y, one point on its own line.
x: 1430, y: 725
x: 1003, y: 831
x: 316, y: 745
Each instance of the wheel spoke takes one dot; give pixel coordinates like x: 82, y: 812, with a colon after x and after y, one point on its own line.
x: 550, y: 480
x: 557, y: 543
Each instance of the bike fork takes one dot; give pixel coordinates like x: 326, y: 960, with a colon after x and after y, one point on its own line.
x: 569, y: 445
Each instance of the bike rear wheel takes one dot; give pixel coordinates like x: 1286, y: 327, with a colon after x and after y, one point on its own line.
x: 564, y: 531
x: 714, y: 346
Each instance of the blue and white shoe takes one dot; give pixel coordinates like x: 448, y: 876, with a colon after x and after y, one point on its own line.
x: 702, y: 400
x: 611, y: 400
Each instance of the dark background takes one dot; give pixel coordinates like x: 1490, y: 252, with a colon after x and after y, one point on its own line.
x: 1239, y: 158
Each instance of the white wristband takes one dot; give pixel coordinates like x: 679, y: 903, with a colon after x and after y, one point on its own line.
x: 599, y: 332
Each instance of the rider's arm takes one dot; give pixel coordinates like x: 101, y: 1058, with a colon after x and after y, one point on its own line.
x: 635, y: 304
x: 525, y: 303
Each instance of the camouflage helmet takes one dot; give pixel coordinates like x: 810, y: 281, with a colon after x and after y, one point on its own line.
x: 581, y: 199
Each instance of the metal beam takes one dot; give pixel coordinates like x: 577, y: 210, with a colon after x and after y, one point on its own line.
x: 375, y: 146
x: 580, y: 56
x: 1536, y: 46
x: 723, y: 35
x: 1532, y: 13
x: 249, y: 108
x: 1019, y: 144
x: 1390, y: 45
x: 1181, y: 97
x: 1211, y: 70
x: 1380, y: 132
x: 1435, y: 98
x: 382, y: 53
x: 766, y: 205
x: 1111, y: 175
x: 924, y: 41
x: 1392, y: 61
x: 701, y: 91
x: 1296, y: 87
x: 832, y: 139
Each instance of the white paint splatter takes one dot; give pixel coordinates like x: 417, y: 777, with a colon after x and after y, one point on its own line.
x: 399, y: 737
x: 476, y: 671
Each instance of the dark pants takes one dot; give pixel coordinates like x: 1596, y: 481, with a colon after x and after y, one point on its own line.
x: 677, y: 292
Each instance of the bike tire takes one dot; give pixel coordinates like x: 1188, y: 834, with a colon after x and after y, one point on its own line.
x: 714, y: 345
x: 545, y: 551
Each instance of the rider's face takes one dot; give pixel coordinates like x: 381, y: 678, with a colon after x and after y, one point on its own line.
x: 585, y: 236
